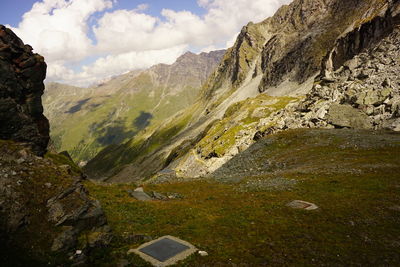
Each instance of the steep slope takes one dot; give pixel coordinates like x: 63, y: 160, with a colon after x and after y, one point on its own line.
x: 85, y: 120
x: 358, y: 87
x: 46, y: 213
x: 281, y: 58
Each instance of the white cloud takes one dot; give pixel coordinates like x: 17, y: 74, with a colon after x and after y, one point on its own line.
x: 113, y: 65
x: 129, y: 39
x: 58, y: 29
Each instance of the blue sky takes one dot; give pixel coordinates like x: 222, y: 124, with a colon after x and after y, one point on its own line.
x: 11, y: 11
x: 86, y: 41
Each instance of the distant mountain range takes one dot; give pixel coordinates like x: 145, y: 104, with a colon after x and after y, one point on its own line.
x: 86, y: 120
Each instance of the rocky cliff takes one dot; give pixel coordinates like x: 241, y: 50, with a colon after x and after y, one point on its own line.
x: 358, y: 86
x: 21, y: 87
x: 46, y: 214
x: 290, y: 46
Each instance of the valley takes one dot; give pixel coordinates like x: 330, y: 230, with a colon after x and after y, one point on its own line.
x: 281, y: 150
x: 125, y: 107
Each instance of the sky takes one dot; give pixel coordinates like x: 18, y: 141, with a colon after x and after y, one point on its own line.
x: 87, y: 41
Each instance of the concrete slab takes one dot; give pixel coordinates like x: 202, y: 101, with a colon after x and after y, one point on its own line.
x: 300, y: 204
x: 139, y: 194
x: 164, y: 251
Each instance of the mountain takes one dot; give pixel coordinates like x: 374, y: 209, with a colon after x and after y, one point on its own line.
x: 45, y: 210
x: 288, y: 156
x: 86, y: 120
x: 314, y: 64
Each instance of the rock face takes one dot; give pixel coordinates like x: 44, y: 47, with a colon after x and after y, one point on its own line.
x: 45, y: 210
x: 291, y: 45
x: 21, y: 87
x: 46, y: 213
x: 363, y: 90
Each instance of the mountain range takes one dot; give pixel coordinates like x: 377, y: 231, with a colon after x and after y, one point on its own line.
x: 86, y: 120
x: 282, y: 150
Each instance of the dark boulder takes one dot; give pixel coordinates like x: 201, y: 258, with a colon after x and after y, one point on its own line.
x: 21, y: 87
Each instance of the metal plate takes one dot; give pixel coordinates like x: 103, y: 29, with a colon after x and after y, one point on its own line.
x: 164, y: 249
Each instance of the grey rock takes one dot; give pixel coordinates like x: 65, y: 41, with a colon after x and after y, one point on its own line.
x: 139, y: 194
x: 300, y: 204
x: 203, y: 253
x: 100, y: 237
x: 367, y: 109
x: 20, y: 160
x: 352, y: 64
x: 174, y: 196
x: 347, y: 116
x: 373, y: 97
x: 158, y: 196
x: 393, y: 124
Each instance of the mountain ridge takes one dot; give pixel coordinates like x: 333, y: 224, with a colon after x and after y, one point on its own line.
x: 125, y: 105
x: 245, y: 71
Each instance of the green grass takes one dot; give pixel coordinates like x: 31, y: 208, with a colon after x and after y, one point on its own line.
x: 114, y: 158
x: 79, y: 134
x: 354, y: 186
x: 60, y: 159
x: 222, y: 135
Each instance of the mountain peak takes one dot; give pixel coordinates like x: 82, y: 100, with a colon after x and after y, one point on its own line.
x: 186, y: 56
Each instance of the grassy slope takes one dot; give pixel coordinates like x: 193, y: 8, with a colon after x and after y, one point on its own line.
x: 222, y: 135
x: 84, y: 121
x: 81, y: 132
x: 353, y: 176
x: 219, y: 137
x: 112, y: 159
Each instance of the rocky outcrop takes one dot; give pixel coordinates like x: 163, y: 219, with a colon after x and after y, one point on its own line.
x: 358, y: 86
x: 290, y: 46
x: 46, y: 214
x: 21, y: 87
x: 311, y: 29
